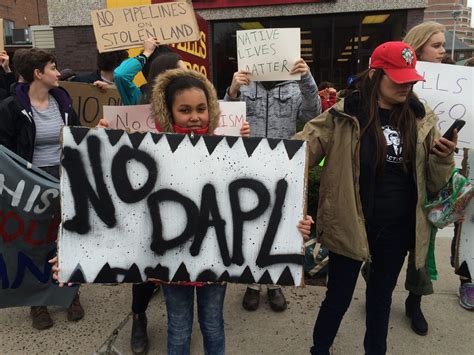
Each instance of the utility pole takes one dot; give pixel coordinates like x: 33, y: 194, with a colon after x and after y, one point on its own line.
x: 455, y: 15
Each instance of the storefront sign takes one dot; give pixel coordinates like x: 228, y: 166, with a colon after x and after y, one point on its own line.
x: 128, y: 27
x: 214, y: 4
x: 448, y: 90
x: 196, y: 54
x: 180, y: 208
x: 269, y: 54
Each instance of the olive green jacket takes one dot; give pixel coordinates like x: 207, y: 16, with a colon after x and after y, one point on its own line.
x: 340, y: 221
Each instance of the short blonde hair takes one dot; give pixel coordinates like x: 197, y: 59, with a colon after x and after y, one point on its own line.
x: 420, y: 34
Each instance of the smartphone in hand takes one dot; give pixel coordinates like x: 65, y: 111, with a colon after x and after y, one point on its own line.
x: 457, y: 124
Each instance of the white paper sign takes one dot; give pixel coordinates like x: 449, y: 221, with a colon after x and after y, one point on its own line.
x: 448, y: 90
x: 233, y: 115
x: 135, y: 117
x: 269, y: 54
x: 180, y: 208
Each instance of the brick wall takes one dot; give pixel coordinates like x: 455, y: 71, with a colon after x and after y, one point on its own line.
x: 76, y: 48
x: 25, y: 12
x: 414, y: 17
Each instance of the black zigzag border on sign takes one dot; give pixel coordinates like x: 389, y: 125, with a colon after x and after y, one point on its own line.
x: 136, y: 138
x: 156, y: 136
x: 272, y: 143
x: 292, y: 147
x: 231, y: 140
x: 78, y: 133
x: 211, y: 142
x: 110, y: 275
x: 250, y: 144
x: 464, y: 270
x: 158, y: 272
x: 266, y: 278
x: 174, y: 140
x: 286, y: 279
x: 181, y: 274
x: 114, y: 135
x: 77, y: 275
x: 194, y: 139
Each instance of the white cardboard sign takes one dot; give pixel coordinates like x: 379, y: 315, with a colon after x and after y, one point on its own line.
x: 138, y: 118
x: 135, y: 117
x: 232, y: 117
x: 180, y: 208
x: 128, y: 27
x: 448, y: 90
x: 269, y: 54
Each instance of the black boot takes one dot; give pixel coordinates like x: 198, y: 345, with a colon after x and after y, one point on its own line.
x: 139, y: 341
x: 413, y: 311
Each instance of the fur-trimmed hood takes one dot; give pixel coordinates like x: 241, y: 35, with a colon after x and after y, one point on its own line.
x: 159, y: 109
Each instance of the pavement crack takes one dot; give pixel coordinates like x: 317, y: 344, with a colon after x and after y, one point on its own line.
x: 107, y: 347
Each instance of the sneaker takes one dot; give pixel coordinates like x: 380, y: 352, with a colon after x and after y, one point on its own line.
x: 276, y: 299
x: 466, y: 296
x: 418, y: 321
x: 139, y: 340
x: 251, y: 299
x: 75, y: 311
x: 40, y: 317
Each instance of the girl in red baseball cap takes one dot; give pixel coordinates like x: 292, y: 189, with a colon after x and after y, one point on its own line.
x: 387, y: 157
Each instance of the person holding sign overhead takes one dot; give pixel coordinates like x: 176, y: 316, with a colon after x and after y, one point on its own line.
x: 273, y: 107
x: 375, y: 209
x: 30, y: 126
x: 104, y: 75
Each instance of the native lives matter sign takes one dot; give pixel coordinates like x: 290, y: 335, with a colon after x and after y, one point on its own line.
x: 128, y: 27
x: 448, y: 90
x: 176, y: 208
x: 269, y: 54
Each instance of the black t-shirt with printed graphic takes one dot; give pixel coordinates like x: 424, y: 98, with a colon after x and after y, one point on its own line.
x: 395, y: 190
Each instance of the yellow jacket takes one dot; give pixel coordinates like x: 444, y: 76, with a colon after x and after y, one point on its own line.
x: 340, y: 221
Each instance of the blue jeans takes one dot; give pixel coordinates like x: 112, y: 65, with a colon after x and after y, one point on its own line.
x: 180, y: 309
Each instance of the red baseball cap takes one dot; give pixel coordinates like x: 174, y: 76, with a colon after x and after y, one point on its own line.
x: 398, y: 61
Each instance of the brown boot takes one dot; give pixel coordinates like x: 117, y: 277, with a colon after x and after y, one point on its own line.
x: 276, y: 299
x: 75, y: 311
x: 251, y: 299
x: 41, y: 318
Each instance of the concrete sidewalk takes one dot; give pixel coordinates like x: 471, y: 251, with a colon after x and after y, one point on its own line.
x: 107, y: 324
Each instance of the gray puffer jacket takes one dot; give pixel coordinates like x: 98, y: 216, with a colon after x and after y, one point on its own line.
x: 273, y: 113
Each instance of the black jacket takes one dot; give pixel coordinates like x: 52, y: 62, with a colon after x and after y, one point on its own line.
x: 17, y: 128
x: 89, y: 78
x: 6, y: 79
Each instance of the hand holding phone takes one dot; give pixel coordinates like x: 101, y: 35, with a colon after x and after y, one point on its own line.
x: 457, y: 124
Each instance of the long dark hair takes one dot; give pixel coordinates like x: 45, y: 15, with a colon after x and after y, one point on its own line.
x: 159, y: 65
x: 402, y: 117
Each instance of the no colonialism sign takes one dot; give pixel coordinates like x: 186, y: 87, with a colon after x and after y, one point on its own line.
x: 172, y: 207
